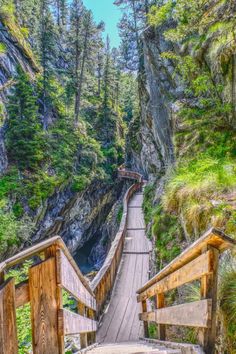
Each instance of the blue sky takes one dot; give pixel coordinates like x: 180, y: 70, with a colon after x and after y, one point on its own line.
x: 104, y: 10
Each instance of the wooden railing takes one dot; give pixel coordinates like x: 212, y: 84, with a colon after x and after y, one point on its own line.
x: 103, y: 283
x: 124, y: 173
x: 53, y: 271
x: 198, y: 262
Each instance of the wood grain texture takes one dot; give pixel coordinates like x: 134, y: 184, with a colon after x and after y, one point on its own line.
x: 44, y: 307
x: 72, y: 323
x: 193, y: 314
x: 194, y: 270
x: 69, y: 280
x: 8, y: 330
x: 22, y: 294
x: 207, y: 337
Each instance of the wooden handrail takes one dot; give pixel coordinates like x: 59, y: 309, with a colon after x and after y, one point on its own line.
x: 124, y: 173
x: 198, y: 261
x: 54, y: 271
x: 103, y: 283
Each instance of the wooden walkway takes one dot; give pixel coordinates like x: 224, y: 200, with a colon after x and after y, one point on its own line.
x: 120, y: 322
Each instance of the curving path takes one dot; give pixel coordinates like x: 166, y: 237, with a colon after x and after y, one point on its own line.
x: 120, y: 322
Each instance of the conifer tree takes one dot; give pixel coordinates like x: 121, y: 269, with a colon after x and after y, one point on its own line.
x: 24, y: 133
x: 47, y: 52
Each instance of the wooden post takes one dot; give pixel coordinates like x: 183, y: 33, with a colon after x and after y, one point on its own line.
x: 207, y: 336
x: 145, y: 323
x: 160, y: 303
x: 83, y: 336
x: 91, y: 335
x: 45, y: 308
x: 8, y: 329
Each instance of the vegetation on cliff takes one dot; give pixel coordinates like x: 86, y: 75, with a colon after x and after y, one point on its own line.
x: 66, y: 124
x: 200, y: 190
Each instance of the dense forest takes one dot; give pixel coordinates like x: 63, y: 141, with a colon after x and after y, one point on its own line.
x: 73, y: 109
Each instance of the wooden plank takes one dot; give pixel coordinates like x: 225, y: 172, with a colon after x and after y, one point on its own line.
x: 72, y: 323
x: 8, y: 329
x: 145, y: 322
x: 44, y: 308
x: 22, y: 294
x: 48, y: 245
x: 69, y: 280
x: 83, y: 336
x: 193, y: 314
x: 160, y: 303
x: 213, y: 237
x: 188, y: 273
x: 207, y: 337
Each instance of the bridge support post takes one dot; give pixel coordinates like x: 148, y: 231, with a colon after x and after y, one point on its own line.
x: 45, y: 306
x: 160, y: 303
x: 207, y: 336
x: 91, y: 335
x: 8, y: 331
x: 83, y: 336
x: 145, y: 323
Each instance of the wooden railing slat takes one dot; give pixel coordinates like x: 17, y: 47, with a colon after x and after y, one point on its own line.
x: 192, y: 271
x: 71, y: 323
x: 44, y: 307
x: 213, y: 237
x: 193, y: 314
x: 8, y: 330
x: 68, y: 279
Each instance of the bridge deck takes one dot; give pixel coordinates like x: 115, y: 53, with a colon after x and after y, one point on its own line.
x: 120, y: 322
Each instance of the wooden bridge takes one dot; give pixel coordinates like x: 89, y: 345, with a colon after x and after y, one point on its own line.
x: 116, y: 307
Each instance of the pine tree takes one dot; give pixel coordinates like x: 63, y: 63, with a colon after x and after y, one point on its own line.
x: 24, y: 133
x: 47, y: 48
x: 131, y: 24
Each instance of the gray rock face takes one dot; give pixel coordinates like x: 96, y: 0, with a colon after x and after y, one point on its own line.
x: 157, y: 87
x: 77, y: 217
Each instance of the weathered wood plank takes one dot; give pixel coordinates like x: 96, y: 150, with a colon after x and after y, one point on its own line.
x: 44, y: 307
x: 207, y: 337
x: 188, y: 273
x: 46, y: 247
x: 213, y: 237
x: 69, y: 280
x: 8, y: 330
x: 72, y: 323
x: 193, y: 314
x: 22, y: 294
x: 160, y: 303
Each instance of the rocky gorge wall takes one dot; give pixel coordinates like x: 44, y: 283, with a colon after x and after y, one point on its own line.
x: 76, y: 216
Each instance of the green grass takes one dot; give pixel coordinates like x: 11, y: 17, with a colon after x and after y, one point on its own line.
x: 227, y: 300
x: 194, y: 185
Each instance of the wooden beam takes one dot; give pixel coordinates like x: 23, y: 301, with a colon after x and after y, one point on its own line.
x: 207, y: 337
x: 160, y: 303
x: 213, y: 237
x: 193, y: 314
x: 49, y: 246
x: 145, y: 322
x: 197, y: 268
x: 68, y: 279
x: 71, y: 323
x: 44, y: 308
x: 22, y: 294
x: 8, y: 329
